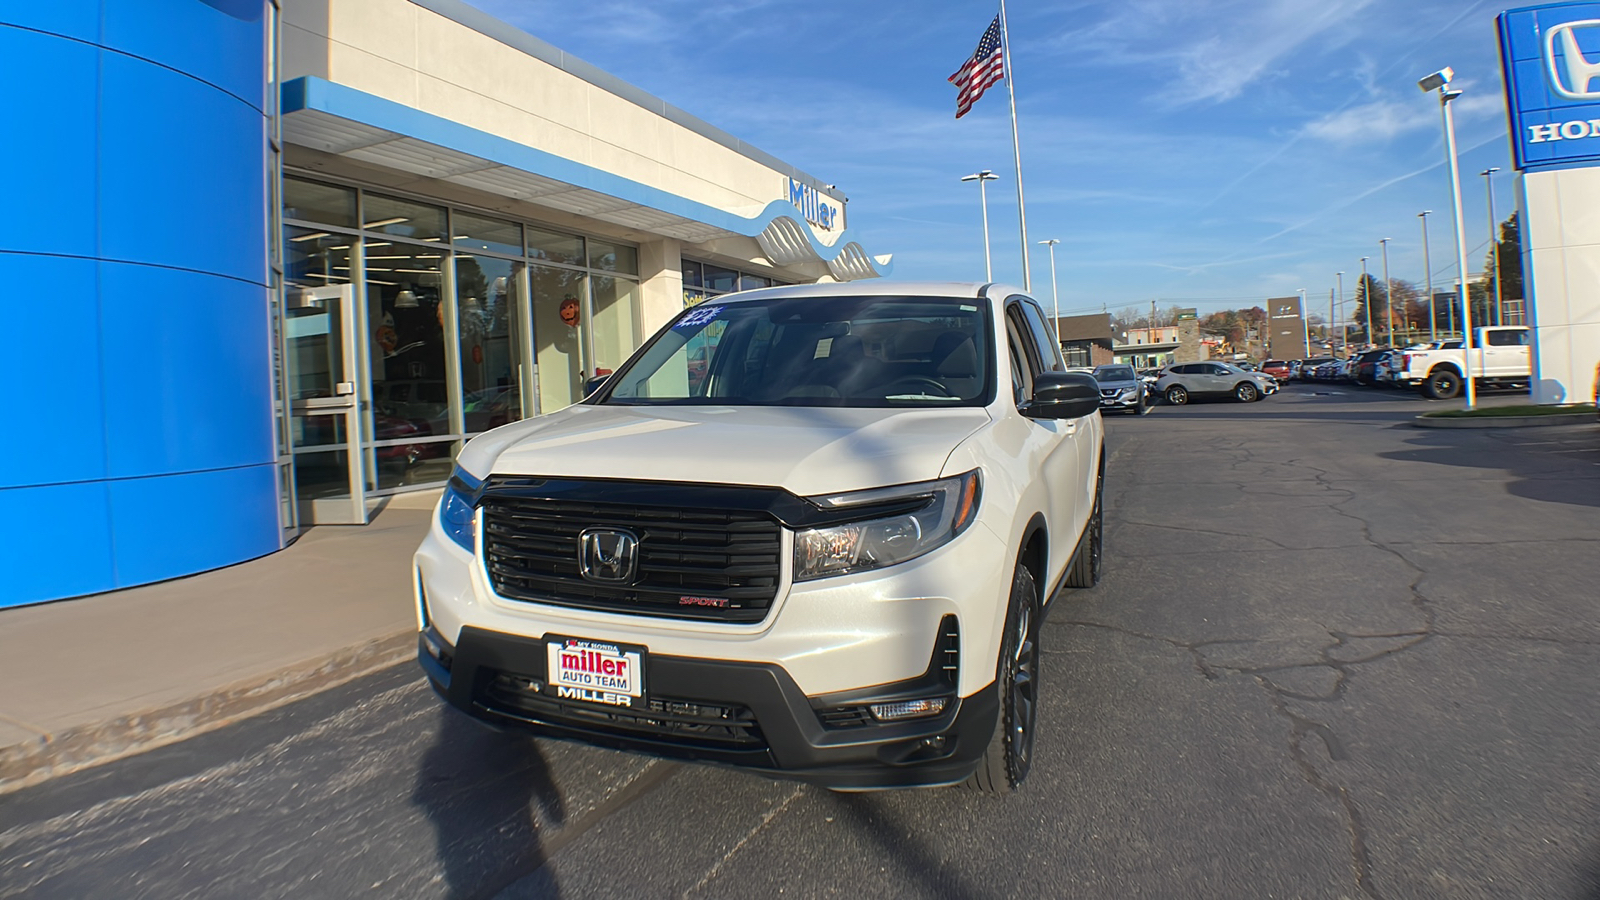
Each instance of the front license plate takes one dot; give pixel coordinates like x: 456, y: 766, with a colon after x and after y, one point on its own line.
x: 595, y: 671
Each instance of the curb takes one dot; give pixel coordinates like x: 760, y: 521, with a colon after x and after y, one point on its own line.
x: 26, y: 764
x: 1578, y: 418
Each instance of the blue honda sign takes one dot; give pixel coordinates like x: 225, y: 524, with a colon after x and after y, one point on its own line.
x: 1551, y: 58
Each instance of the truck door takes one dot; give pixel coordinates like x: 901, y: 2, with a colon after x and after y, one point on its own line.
x: 1505, y: 353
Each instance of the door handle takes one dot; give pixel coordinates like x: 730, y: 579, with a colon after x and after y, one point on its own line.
x: 344, y: 388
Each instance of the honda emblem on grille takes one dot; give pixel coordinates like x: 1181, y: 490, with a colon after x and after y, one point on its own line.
x: 608, y: 555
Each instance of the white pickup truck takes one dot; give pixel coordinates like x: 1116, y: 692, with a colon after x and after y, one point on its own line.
x: 1500, y: 357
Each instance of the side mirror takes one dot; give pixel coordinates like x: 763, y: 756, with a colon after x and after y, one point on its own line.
x: 594, y: 384
x: 1063, y: 395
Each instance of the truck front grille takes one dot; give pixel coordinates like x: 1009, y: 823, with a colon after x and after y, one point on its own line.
x: 722, y: 565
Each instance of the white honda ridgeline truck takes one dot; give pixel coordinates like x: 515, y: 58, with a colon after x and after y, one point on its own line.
x: 806, y: 530
x: 1501, y: 357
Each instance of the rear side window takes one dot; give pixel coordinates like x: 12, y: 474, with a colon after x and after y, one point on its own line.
x: 1508, y: 338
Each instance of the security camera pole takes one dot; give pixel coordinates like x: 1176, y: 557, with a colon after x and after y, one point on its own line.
x: 1440, y: 81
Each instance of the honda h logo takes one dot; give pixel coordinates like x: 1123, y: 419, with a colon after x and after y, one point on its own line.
x: 608, y: 555
x: 1575, y: 74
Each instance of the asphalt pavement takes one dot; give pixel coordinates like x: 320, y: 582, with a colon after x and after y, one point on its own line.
x: 1332, y: 656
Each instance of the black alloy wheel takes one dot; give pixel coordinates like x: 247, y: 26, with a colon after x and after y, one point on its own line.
x: 1177, y: 395
x: 1442, y: 384
x: 1246, y: 392
x: 1006, y: 762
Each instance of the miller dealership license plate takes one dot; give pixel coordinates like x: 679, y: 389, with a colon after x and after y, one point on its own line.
x: 595, y: 671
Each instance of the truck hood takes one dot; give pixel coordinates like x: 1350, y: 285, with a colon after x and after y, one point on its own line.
x: 806, y: 450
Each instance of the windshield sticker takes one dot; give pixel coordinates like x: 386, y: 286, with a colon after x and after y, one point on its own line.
x: 698, y: 317
x: 966, y: 308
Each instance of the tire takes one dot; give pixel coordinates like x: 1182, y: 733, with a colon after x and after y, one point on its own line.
x: 1090, y: 555
x: 1177, y: 395
x: 1442, y: 384
x: 1246, y: 392
x: 1009, y: 756
x: 1143, y: 407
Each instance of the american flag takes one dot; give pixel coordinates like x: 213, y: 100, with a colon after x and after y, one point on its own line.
x: 984, y: 68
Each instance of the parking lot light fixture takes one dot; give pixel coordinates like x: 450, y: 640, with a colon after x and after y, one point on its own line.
x: 1338, y: 311
x: 1388, y: 291
x: 1366, y: 298
x: 1427, y: 266
x: 1054, y: 297
x: 1440, y: 81
x: 1494, y: 251
x: 982, y: 178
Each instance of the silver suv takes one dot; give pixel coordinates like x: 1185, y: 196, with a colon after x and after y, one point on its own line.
x: 1180, y: 382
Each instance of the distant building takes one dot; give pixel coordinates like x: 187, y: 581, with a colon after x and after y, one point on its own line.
x: 1148, y: 348
x: 1086, y: 340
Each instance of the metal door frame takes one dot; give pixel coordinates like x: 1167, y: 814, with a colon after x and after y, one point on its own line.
x: 351, y: 510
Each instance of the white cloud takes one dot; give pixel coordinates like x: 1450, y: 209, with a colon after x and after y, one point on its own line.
x: 1211, y: 52
x: 1379, y: 121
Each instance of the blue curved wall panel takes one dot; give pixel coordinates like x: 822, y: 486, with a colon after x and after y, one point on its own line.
x: 142, y: 445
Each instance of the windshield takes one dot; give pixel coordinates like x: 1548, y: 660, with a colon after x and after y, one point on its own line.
x: 816, y: 351
x: 1114, y: 373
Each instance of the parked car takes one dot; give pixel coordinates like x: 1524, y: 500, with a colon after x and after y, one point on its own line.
x: 1501, y: 357
x: 842, y: 583
x: 1277, y: 368
x: 1179, y: 383
x: 1308, y: 367
x: 1122, y: 388
x: 1365, y: 365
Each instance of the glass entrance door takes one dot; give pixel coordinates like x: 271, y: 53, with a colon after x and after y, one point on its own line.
x: 324, y: 418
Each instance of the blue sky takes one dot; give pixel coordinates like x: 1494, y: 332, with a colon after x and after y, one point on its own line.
x: 1208, y: 154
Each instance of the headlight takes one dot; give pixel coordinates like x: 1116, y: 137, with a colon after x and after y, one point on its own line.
x: 947, y: 507
x: 455, y: 507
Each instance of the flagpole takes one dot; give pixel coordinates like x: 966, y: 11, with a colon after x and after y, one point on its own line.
x: 1016, y: 145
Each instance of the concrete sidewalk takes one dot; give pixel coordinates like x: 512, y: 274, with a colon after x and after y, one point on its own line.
x: 102, y: 677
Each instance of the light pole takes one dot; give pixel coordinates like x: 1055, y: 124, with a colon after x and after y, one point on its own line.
x: 1366, y: 299
x: 1054, y: 297
x: 1427, y: 264
x: 1440, y: 81
x: 1305, y: 329
x: 983, y: 198
x: 1494, y: 249
x: 1388, y: 291
x: 1344, y: 335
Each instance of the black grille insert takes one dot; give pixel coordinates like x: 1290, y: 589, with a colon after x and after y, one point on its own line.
x: 694, y: 563
x: 690, y: 722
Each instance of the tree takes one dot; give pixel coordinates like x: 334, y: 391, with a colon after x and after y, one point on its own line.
x: 1505, y: 260
x: 1368, y: 286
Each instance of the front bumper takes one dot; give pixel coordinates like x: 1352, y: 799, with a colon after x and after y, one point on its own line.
x: 1121, y: 401
x: 751, y: 715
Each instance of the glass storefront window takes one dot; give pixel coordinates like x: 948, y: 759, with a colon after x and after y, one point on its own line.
x: 490, y: 303
x: 721, y: 280
x: 691, y: 274
x: 472, y: 232
x: 613, y: 336
x: 313, y: 201
x: 561, y: 248
x: 691, y: 298
x: 315, y: 258
x: 749, y: 282
x: 402, y: 218
x: 613, y: 257
x: 557, y: 296
x: 409, y: 386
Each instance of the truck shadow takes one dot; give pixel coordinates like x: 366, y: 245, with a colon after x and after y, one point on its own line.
x: 1559, y: 464
x: 488, y: 796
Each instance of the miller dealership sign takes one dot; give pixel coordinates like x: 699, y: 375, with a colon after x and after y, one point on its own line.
x: 811, y: 203
x: 1551, y: 58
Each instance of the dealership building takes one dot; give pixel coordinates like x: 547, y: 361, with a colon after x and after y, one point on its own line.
x: 288, y: 256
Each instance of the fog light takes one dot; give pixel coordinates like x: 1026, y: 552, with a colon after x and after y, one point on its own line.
x: 909, y: 709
